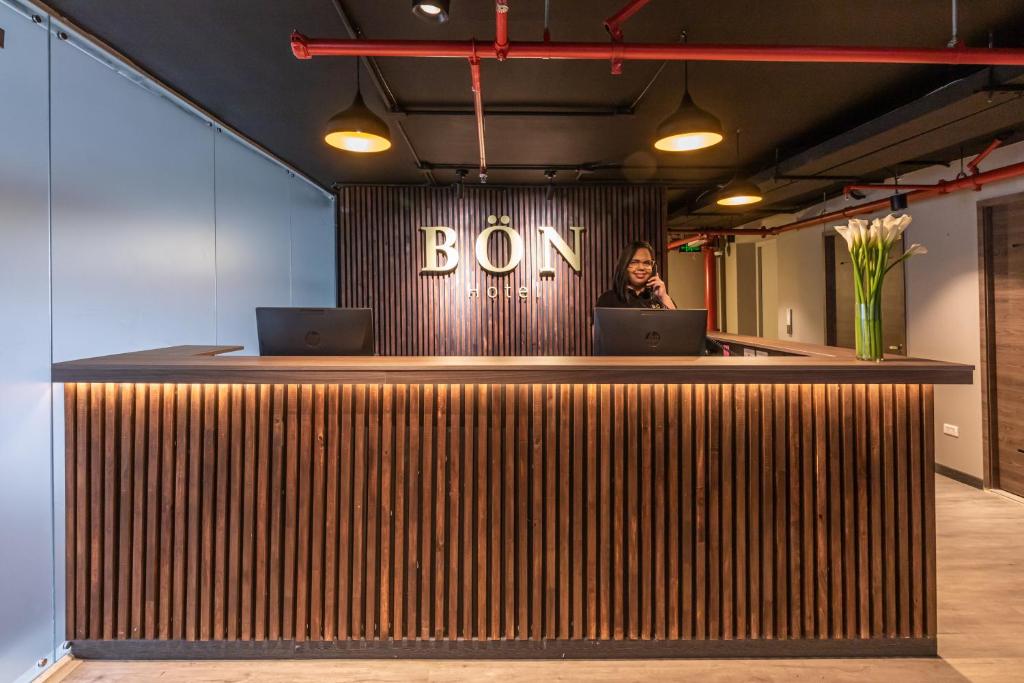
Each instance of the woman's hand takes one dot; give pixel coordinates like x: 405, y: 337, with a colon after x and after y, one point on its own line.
x: 657, y: 286
x: 660, y: 292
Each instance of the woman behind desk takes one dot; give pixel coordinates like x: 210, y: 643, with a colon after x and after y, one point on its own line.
x: 635, y: 283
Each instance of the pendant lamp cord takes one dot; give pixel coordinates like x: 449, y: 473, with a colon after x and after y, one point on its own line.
x: 736, y: 165
x: 686, y: 66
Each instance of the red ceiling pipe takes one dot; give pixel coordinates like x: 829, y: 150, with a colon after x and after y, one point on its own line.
x: 972, y: 165
x: 971, y: 182
x: 941, y: 186
x: 718, y: 232
x: 306, y: 48
x: 478, y: 107
x: 613, y: 24
x: 501, y: 30
x: 886, y: 186
x: 858, y: 210
x: 710, y: 288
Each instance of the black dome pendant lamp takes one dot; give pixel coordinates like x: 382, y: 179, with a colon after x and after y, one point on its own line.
x: 357, y: 128
x: 738, y: 192
x: 689, y: 127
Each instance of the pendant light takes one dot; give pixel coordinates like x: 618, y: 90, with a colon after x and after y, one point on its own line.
x: 689, y: 127
x: 357, y: 129
x: 738, y: 192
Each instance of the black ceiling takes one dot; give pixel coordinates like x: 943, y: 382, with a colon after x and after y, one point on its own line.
x: 234, y: 59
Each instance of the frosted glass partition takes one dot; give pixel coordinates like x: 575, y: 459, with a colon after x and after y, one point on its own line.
x: 253, y: 241
x: 129, y: 220
x: 26, y: 541
x: 313, y: 252
x: 133, y: 203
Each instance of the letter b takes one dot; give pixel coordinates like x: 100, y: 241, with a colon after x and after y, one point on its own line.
x: 433, y: 247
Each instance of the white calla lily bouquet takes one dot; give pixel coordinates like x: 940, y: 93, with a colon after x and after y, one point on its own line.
x: 869, y: 245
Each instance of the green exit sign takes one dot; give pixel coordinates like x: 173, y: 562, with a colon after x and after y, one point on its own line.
x: 690, y: 248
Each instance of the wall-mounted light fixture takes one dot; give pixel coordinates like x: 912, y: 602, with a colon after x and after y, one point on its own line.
x: 357, y: 129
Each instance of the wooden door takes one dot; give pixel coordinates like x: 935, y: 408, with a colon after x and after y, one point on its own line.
x: 1006, y: 343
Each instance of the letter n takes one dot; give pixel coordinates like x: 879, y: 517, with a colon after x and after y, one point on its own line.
x: 549, y: 238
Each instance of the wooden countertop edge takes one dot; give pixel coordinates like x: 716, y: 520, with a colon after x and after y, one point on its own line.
x: 201, y: 364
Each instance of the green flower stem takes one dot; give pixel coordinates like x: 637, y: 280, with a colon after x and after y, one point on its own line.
x: 869, y: 269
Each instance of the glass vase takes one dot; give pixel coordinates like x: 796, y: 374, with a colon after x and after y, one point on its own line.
x: 868, y: 327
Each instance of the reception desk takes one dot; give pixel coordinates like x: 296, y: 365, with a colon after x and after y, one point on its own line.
x: 233, y: 506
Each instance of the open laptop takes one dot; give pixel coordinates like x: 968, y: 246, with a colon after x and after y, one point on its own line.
x: 647, y: 332
x: 315, y: 331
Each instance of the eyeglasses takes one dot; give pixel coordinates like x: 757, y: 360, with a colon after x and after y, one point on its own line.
x: 636, y: 263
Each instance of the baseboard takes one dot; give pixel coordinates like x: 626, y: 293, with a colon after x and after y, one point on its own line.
x: 504, y: 649
x: 959, y: 476
x: 61, y: 668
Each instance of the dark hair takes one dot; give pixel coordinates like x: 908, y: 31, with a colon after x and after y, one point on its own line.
x: 620, y: 278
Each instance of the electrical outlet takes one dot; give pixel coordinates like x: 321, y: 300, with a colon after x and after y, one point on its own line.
x: 950, y: 430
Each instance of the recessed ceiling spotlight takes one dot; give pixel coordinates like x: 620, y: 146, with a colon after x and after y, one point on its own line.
x: 434, y: 11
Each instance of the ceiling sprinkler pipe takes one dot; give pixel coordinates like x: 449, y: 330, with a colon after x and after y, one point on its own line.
x: 942, y: 186
x: 894, y: 187
x: 704, y: 233
x: 972, y: 165
x: 306, y: 48
x: 613, y: 24
x: 478, y: 107
x: 971, y: 182
x: 501, y: 30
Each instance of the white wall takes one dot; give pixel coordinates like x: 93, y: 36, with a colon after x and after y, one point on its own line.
x: 686, y: 278
x: 128, y: 221
x: 943, y: 302
x: 943, y: 294
x: 801, y: 285
x: 769, y: 275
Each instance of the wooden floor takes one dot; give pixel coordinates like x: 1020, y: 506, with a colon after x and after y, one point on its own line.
x: 981, y: 629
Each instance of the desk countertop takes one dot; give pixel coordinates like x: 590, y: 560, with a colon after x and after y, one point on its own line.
x: 805, y: 363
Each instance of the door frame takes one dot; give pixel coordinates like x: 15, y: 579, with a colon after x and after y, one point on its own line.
x: 989, y: 421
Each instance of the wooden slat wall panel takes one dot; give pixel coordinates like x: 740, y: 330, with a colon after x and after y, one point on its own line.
x: 499, y: 511
x: 433, y: 315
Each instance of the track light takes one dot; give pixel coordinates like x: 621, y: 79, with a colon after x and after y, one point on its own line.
x: 357, y: 129
x: 897, y: 202
x: 434, y: 11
